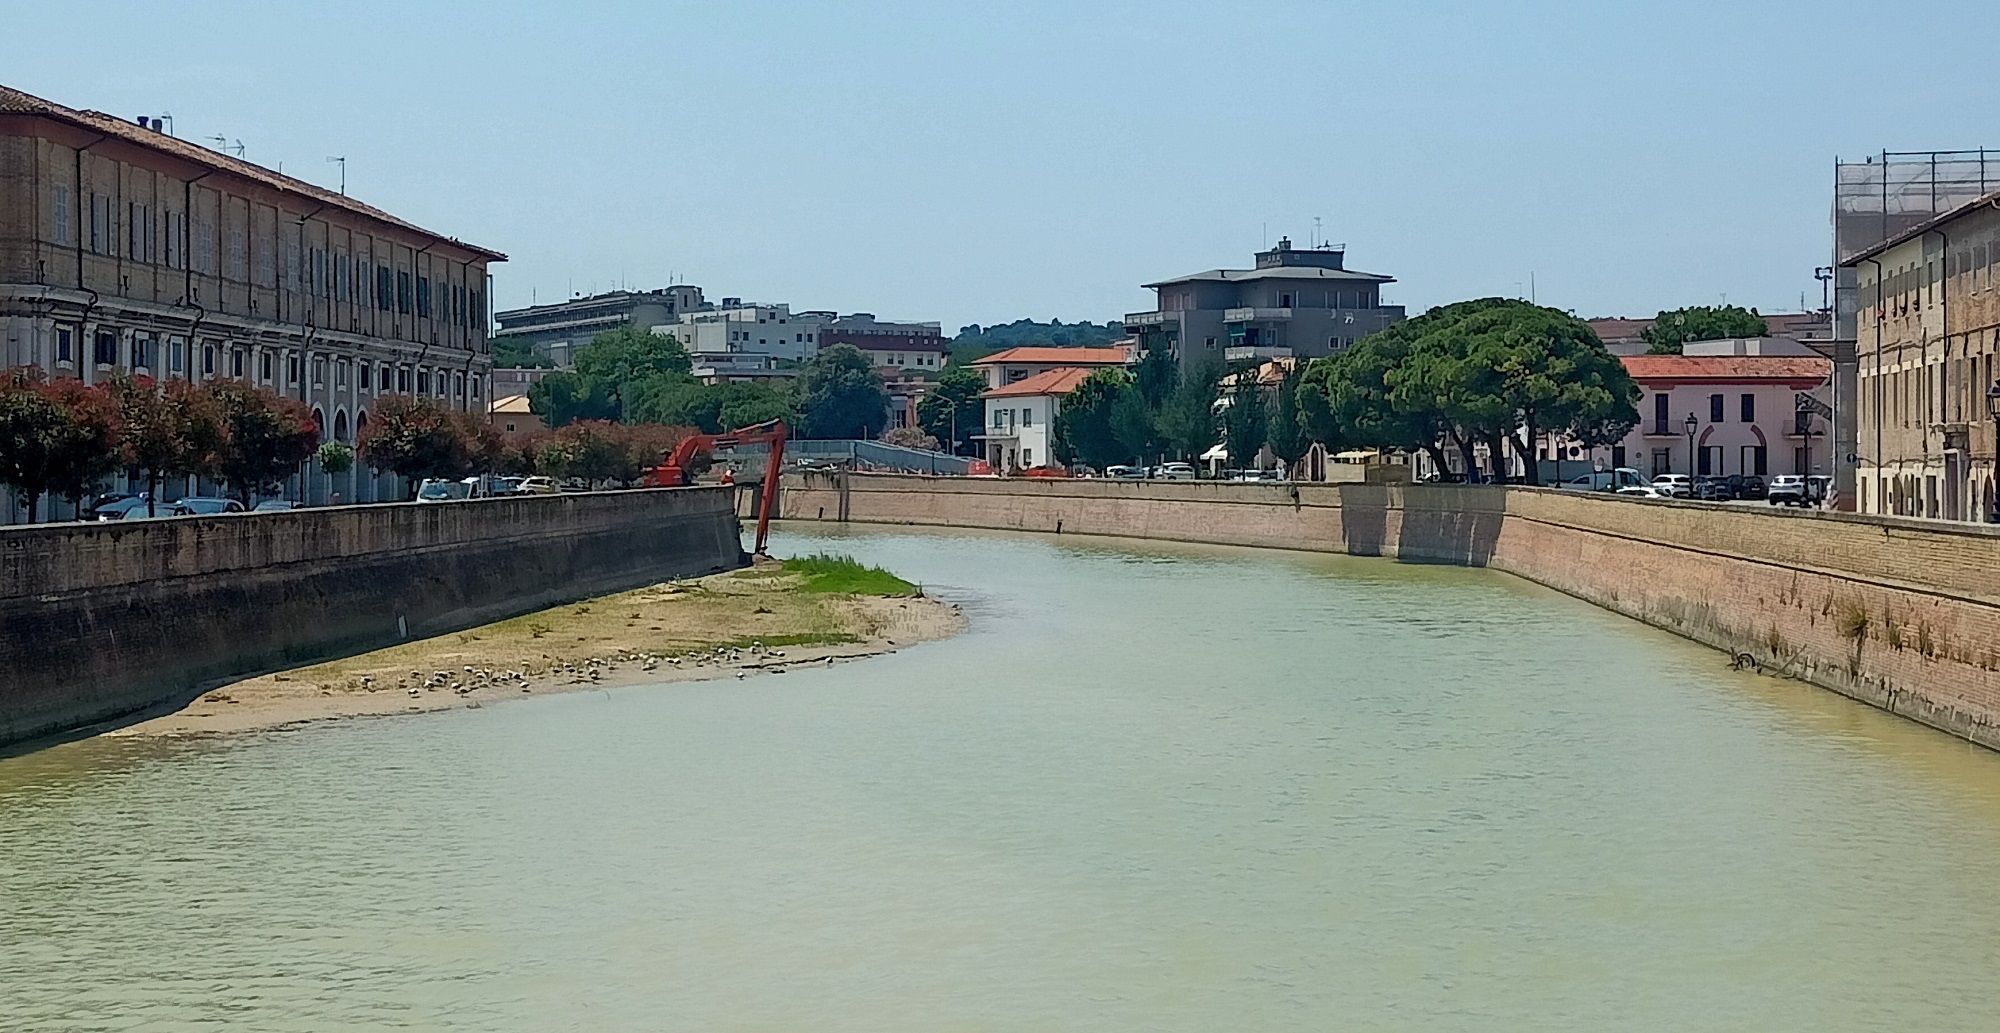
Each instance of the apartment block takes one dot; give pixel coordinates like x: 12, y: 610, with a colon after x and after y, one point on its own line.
x: 1293, y: 303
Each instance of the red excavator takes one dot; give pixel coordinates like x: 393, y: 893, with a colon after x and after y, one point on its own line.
x: 673, y: 472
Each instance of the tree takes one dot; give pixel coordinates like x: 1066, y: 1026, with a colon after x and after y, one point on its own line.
x: 1673, y: 328
x: 712, y: 408
x: 335, y: 457
x: 268, y: 436
x: 1245, y: 423
x: 628, y: 355
x: 166, y: 431
x: 1186, y: 422
x: 841, y: 395
x: 1287, y: 423
x: 952, y: 411
x: 910, y: 437
x: 1086, y: 428
x: 510, y: 353
x: 416, y: 438
x: 59, y: 437
x: 562, y: 398
x: 976, y: 341
x: 588, y: 451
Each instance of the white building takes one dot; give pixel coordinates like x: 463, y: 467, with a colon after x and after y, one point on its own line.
x: 1016, y: 364
x: 734, y: 327
x: 1021, y: 416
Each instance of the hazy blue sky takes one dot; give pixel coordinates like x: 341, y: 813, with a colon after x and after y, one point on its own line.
x: 982, y: 162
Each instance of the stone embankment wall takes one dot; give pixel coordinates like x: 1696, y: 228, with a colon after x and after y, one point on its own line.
x: 100, y: 621
x: 1899, y: 613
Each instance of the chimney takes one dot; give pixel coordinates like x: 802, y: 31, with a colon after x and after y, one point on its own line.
x: 142, y: 122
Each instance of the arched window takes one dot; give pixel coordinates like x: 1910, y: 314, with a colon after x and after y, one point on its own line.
x: 340, y: 425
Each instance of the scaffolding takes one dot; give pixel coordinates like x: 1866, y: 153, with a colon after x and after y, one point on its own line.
x: 1890, y: 192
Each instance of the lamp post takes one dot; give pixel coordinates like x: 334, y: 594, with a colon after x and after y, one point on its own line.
x: 1993, y: 410
x: 1690, y: 423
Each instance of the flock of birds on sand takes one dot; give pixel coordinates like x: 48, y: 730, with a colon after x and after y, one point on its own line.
x: 469, y: 678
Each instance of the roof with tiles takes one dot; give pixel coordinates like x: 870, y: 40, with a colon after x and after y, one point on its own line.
x: 1067, y: 356
x: 15, y: 102
x: 1727, y: 367
x: 1059, y: 381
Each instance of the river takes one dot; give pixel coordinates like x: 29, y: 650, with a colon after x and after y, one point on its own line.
x: 1151, y: 788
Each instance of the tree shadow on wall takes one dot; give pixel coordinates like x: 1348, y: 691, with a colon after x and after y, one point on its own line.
x: 1423, y: 523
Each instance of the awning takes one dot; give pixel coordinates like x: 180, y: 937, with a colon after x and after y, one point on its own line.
x: 1357, y: 454
x: 1216, y: 453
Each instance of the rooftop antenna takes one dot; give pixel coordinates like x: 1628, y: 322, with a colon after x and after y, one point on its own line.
x: 1315, y: 231
x: 226, y: 145
x: 340, y: 160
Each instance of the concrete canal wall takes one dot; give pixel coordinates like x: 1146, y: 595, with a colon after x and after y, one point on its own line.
x: 98, y: 621
x: 1902, y: 614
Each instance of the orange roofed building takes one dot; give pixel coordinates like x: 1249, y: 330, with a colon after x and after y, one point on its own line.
x: 1020, y: 416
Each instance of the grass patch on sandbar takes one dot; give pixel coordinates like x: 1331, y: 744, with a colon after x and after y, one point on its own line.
x: 845, y: 575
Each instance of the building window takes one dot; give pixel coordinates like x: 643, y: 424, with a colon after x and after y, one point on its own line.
x: 383, y: 287
x: 65, y: 344
x: 1715, y: 408
x: 264, y: 367
x: 423, y: 381
x: 319, y: 372
x: 340, y: 373
x: 403, y: 380
x: 100, y: 219
x: 177, y: 356
x: 424, y: 296
x: 59, y: 211
x: 208, y: 360
x: 402, y: 292
x: 236, y: 362
x: 996, y: 418
x: 107, y: 348
x: 1758, y: 454
x: 1749, y: 408
x: 142, y: 352
x: 1027, y: 417
x: 475, y: 386
x: 293, y: 368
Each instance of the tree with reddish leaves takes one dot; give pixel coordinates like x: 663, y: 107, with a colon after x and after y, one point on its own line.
x: 268, y: 437
x: 56, y: 437
x: 416, y: 438
x: 173, y: 430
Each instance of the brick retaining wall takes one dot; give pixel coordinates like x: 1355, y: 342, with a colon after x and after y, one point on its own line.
x: 100, y: 621
x: 1902, y: 614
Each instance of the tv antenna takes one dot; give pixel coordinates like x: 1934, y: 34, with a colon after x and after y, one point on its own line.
x: 340, y: 160
x: 227, y: 146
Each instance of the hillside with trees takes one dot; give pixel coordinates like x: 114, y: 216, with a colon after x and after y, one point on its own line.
x: 976, y: 341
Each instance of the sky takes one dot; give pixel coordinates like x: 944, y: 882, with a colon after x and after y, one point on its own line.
x: 967, y: 163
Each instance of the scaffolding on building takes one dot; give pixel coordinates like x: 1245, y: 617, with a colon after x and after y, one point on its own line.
x: 1876, y: 199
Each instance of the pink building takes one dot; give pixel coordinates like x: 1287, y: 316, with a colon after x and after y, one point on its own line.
x: 1725, y: 414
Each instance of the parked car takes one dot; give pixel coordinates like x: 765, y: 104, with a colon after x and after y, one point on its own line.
x: 1174, y: 472
x: 1711, y: 488
x: 90, y: 512
x: 539, y: 486
x: 504, y: 486
x: 1750, y: 486
x: 1128, y: 473
x: 438, y: 490
x: 1642, y: 491
x: 1673, y: 485
x: 1787, y: 489
x: 119, y: 509
x: 274, y: 506
x: 196, y: 505
x: 1605, y: 480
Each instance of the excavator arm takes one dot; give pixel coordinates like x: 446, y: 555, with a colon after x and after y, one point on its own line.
x: 673, y: 470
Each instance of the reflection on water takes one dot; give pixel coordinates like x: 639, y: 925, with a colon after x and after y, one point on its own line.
x: 1153, y: 787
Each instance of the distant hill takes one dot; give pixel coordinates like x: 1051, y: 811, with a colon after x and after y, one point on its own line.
x: 976, y: 341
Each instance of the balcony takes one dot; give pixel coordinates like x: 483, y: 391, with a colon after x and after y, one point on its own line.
x: 1138, y: 320
x: 1255, y: 315
x: 1669, y: 429
x: 1248, y: 352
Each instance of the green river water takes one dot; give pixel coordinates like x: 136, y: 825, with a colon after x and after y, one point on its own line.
x: 1151, y: 788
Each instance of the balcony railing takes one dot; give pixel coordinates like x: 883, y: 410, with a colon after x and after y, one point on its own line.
x: 1147, y: 318
x: 1252, y: 315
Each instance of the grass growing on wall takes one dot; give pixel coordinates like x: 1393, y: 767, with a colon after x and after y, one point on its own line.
x: 828, y: 572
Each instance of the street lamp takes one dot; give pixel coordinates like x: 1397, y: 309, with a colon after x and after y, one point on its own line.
x: 1993, y: 410
x: 1690, y: 423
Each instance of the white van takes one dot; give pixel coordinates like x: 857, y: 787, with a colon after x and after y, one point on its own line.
x: 1605, y: 480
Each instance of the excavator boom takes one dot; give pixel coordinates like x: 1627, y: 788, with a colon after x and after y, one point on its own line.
x: 673, y: 470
